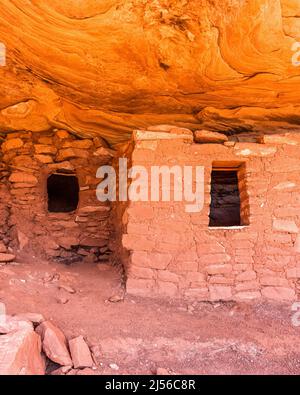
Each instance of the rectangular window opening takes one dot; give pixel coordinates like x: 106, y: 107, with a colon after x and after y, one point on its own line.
x: 229, y: 207
x: 63, y: 193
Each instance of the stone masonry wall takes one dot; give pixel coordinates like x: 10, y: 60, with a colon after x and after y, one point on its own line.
x: 28, y: 159
x: 176, y: 254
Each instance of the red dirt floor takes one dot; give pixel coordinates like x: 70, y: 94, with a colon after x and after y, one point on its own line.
x: 139, y: 334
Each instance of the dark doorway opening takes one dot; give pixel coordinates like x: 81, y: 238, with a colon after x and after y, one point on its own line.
x: 63, y: 193
x: 225, y: 208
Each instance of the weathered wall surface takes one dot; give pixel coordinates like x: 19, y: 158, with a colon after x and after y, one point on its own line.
x: 175, y: 253
x: 26, y: 224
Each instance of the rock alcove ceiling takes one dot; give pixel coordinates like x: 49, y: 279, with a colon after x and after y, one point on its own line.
x: 106, y: 67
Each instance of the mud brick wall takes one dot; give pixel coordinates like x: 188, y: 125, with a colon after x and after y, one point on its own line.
x: 28, y: 159
x: 176, y: 254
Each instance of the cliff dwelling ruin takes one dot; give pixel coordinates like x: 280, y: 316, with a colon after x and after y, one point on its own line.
x: 243, y: 244
x: 49, y: 203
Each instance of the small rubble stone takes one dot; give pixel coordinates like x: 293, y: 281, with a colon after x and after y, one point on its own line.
x: 229, y: 143
x: 22, y: 239
x: 206, y: 136
x: 104, y: 152
x: 62, y: 300
x: 119, y: 297
x: 67, y: 288
x: 80, y: 353
x: 7, y: 257
x: 54, y: 343
x: 114, y: 366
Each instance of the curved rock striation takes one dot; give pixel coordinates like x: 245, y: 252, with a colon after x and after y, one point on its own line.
x: 105, y: 67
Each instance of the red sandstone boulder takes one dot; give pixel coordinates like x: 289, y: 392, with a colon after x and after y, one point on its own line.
x: 54, y: 343
x: 20, y: 353
x: 205, y: 136
x: 80, y: 353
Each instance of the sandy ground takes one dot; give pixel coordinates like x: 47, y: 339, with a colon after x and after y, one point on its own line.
x: 139, y: 334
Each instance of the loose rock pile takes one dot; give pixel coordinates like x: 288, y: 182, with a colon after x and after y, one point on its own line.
x: 31, y: 345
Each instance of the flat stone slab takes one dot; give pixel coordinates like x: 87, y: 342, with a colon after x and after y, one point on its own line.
x: 80, y: 353
x: 54, y: 343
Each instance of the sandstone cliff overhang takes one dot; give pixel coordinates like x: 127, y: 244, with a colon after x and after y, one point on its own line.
x: 108, y: 67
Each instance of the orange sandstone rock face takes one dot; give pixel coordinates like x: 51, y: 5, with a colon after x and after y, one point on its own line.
x: 107, y: 67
